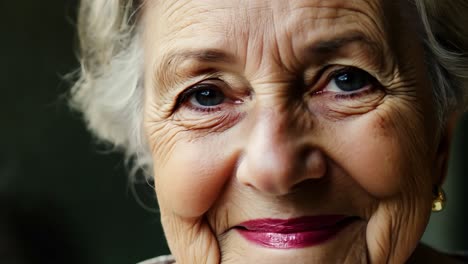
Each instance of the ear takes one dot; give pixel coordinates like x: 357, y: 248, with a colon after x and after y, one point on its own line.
x: 443, y: 150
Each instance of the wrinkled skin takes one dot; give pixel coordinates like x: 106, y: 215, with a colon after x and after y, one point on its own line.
x: 285, y: 141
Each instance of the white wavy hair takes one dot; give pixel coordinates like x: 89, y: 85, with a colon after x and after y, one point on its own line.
x: 109, y: 90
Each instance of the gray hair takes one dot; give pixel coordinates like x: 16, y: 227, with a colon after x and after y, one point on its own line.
x: 109, y: 87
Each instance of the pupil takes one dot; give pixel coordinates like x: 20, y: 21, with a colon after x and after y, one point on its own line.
x: 352, y: 81
x: 209, y: 97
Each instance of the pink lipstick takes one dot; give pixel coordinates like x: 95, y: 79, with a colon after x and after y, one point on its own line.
x: 293, y: 233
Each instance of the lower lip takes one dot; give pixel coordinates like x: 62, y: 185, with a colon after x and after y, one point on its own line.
x: 295, y: 239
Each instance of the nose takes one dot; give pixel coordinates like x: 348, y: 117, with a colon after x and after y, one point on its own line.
x: 278, y: 158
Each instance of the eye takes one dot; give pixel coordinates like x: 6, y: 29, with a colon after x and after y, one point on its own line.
x: 349, y: 80
x: 206, y: 95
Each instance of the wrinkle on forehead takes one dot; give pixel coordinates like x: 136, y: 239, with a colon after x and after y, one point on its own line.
x: 263, y: 34
x: 289, y: 13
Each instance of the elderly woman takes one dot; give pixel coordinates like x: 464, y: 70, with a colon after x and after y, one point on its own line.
x: 300, y: 131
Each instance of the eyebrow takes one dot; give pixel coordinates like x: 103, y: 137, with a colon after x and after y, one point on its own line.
x: 331, y: 47
x: 205, y: 55
x: 327, y: 46
x: 170, y: 62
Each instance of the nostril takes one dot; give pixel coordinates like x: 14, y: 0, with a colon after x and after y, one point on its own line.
x: 307, y: 184
x: 313, y: 169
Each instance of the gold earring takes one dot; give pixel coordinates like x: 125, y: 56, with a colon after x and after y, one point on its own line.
x: 439, y: 200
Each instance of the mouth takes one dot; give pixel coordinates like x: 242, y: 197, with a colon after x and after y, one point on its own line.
x: 293, y: 233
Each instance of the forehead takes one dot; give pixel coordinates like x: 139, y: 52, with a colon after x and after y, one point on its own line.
x: 249, y: 29
x: 175, y: 19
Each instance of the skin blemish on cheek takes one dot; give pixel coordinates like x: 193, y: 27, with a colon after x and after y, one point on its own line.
x: 381, y: 125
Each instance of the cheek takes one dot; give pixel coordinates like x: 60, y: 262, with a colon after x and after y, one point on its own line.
x: 192, y: 176
x: 380, y: 155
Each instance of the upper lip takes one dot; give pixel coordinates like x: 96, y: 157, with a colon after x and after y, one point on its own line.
x: 293, y: 225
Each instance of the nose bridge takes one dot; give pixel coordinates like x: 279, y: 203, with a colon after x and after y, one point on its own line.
x: 270, y: 142
x: 276, y: 158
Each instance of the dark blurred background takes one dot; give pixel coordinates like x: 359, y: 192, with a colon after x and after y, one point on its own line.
x: 63, y: 199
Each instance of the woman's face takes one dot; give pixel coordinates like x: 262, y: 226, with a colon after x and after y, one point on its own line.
x: 289, y: 131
